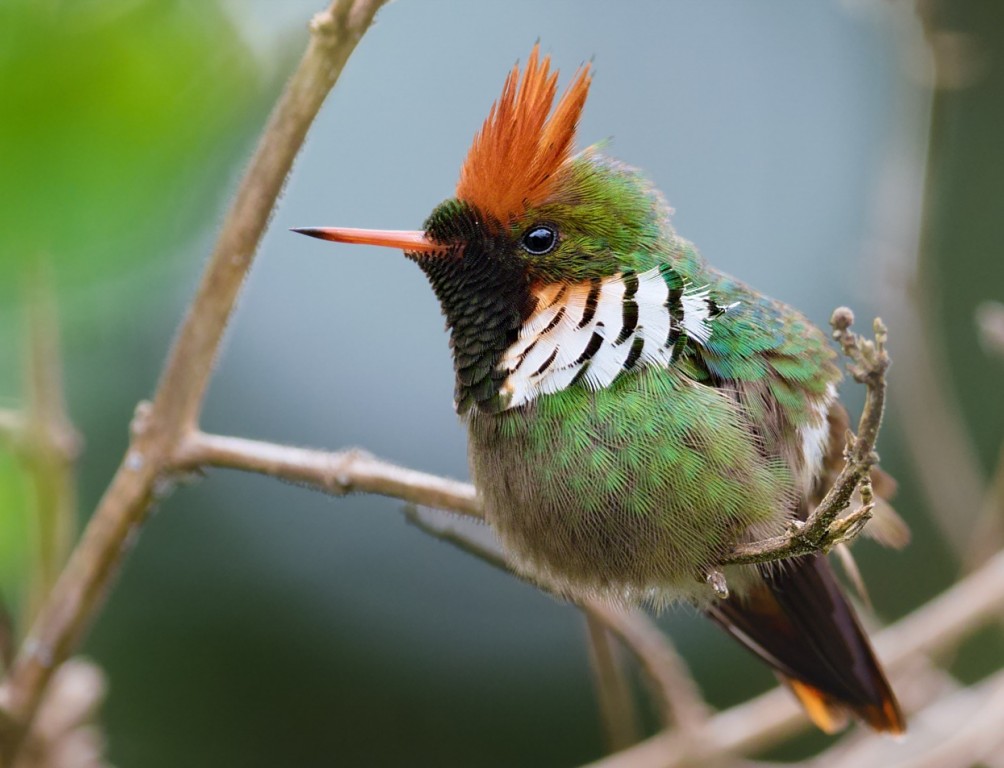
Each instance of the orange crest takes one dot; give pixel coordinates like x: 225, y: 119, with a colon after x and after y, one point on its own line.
x: 519, y: 149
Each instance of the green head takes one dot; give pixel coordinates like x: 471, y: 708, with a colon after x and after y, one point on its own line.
x: 528, y: 215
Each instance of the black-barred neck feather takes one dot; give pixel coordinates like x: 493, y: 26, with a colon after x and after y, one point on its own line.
x: 589, y: 333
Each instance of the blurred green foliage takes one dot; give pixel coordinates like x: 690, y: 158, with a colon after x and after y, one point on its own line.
x: 114, y: 146
x: 15, y: 533
x: 110, y: 127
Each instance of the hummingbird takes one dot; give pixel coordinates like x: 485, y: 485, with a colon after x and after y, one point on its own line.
x: 632, y: 412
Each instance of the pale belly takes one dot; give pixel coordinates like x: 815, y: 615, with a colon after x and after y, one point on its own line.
x: 633, y: 492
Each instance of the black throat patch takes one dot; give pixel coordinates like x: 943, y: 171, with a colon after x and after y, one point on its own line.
x: 484, y: 291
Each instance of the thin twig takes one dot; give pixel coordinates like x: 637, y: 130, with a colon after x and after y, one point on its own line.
x: 935, y: 627
x: 990, y: 324
x: 825, y: 528
x: 182, y: 387
x: 343, y: 472
x: 678, y: 697
x: 49, y: 444
x: 755, y: 724
x: 141, y: 478
x: 988, y: 530
x: 680, y: 701
x: 618, y: 713
x: 165, y: 440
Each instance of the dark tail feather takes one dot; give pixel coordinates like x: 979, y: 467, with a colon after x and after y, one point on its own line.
x: 801, y: 624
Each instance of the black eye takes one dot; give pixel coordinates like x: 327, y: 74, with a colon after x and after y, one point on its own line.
x: 539, y: 240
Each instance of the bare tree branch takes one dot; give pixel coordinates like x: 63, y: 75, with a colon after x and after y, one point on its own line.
x: 944, y: 621
x: 947, y: 463
x: 618, y: 713
x: 182, y: 388
x: 82, y: 586
x: 66, y: 732
x: 988, y: 530
x: 990, y: 324
x: 680, y: 701
x: 338, y: 473
x: 166, y: 441
x: 49, y: 444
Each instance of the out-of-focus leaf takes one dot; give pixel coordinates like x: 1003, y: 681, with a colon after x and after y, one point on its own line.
x: 15, y: 533
x: 118, y: 121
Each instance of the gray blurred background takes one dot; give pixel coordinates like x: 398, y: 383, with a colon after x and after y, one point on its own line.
x: 259, y: 624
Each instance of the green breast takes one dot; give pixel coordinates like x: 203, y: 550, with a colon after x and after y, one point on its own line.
x: 640, y: 485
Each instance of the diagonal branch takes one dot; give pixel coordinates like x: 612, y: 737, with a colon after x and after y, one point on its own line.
x: 82, y: 586
x: 677, y: 696
x: 680, y: 702
x: 189, y: 367
x: 618, y: 713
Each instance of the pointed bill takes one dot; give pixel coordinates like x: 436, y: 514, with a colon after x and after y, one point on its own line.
x: 407, y: 240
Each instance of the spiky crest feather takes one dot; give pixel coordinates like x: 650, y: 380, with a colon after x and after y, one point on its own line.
x: 519, y: 150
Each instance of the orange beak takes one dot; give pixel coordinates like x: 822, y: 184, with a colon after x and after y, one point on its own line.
x: 408, y: 241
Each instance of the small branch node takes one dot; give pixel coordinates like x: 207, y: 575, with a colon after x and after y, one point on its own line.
x: 865, y: 489
x: 841, y: 320
x: 850, y: 443
x: 140, y: 418
x: 323, y: 26
x: 134, y: 460
x: 881, y: 334
x: 844, y: 529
